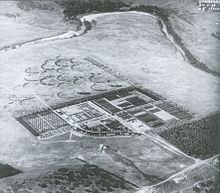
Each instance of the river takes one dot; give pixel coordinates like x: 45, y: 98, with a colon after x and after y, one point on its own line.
x: 164, y: 30
x: 90, y: 18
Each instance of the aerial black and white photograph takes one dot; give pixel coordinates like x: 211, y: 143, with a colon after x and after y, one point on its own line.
x: 109, y: 96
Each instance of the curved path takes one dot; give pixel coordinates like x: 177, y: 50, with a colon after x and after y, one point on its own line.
x: 169, y: 33
x: 92, y: 17
x: 66, y: 35
x: 167, y: 30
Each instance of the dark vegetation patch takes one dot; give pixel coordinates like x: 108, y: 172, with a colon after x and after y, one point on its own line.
x: 216, y: 35
x: 7, y: 170
x: 81, y: 178
x: 209, y: 186
x: 77, y: 7
x: 197, y: 138
x: 28, y: 5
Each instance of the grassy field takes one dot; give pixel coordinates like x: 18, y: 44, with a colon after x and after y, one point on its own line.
x: 198, y: 26
x: 130, y: 47
x: 168, y: 74
x: 194, y: 27
x: 134, y: 42
x: 18, y: 25
x: 57, y: 80
x: 131, y: 158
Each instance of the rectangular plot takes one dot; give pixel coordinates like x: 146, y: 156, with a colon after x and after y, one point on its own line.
x: 32, y: 130
x: 157, y: 124
x: 147, y: 93
x: 136, y: 101
x: 38, y: 124
x: 146, y: 118
x: 124, y: 115
x: 106, y: 105
x: 164, y: 115
x: 111, y: 97
x: 54, y: 120
x: 124, y: 93
x: 45, y: 124
x: 135, y: 111
x: 148, y: 107
x: 125, y: 104
x: 154, y: 110
x: 101, y: 129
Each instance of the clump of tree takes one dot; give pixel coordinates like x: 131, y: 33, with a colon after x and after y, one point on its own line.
x: 162, y: 13
x: 28, y: 5
x: 216, y: 35
x: 7, y: 170
x: 88, y: 26
x: 79, y: 178
x: 209, y: 186
x: 197, y: 138
x: 77, y: 7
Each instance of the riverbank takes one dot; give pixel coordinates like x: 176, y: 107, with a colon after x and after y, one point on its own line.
x: 162, y: 16
x: 190, y: 57
x: 72, y: 9
x: 85, y: 23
